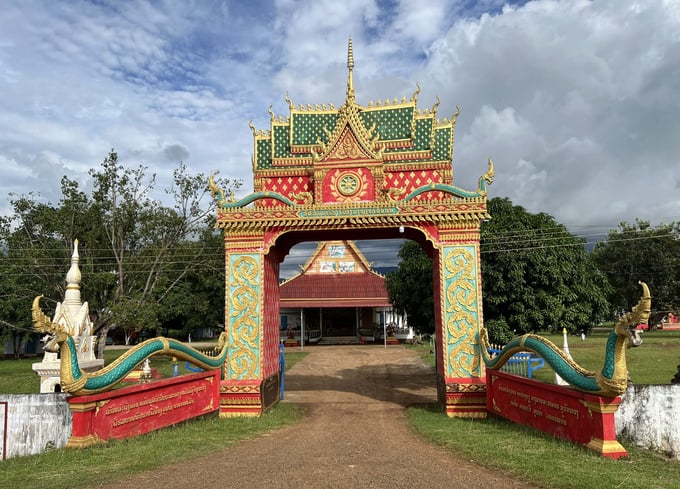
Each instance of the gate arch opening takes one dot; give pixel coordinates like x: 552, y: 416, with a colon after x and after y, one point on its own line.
x: 378, y: 171
x: 333, y: 294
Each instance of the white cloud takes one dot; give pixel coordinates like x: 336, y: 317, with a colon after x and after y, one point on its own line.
x: 588, y: 85
x: 576, y: 102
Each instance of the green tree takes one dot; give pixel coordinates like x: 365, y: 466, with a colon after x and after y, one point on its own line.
x: 135, y: 250
x: 639, y: 252
x: 410, y: 287
x: 536, y: 275
x: 32, y: 249
x: 191, y: 304
x: 15, y: 318
x: 155, y: 248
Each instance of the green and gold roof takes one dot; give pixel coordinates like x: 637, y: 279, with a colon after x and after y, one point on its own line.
x: 397, y: 130
x: 405, y: 133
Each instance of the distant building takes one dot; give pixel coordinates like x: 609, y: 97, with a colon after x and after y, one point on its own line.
x: 337, y: 297
x: 671, y: 321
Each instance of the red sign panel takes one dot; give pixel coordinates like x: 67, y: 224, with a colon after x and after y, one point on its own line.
x: 561, y: 411
x: 141, y: 408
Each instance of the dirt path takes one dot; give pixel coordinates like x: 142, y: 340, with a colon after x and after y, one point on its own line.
x: 354, y: 434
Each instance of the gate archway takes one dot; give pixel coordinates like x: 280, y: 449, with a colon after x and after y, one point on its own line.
x: 356, y: 172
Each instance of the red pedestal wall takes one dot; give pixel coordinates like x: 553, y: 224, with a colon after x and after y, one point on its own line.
x: 141, y: 408
x: 561, y: 411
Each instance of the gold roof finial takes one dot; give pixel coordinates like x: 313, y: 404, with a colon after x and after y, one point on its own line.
x: 350, y: 67
x: 350, y: 55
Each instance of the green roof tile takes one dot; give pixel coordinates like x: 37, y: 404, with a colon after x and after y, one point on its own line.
x: 280, y: 138
x: 309, y: 128
x: 443, y: 143
x: 263, y: 151
x: 392, y: 123
x: 423, y: 134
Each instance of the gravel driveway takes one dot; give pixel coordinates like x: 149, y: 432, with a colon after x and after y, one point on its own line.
x: 353, y: 436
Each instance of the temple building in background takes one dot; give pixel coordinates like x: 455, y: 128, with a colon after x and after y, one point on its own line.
x: 338, y: 298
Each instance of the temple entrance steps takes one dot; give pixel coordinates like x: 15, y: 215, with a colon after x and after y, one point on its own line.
x: 339, y: 340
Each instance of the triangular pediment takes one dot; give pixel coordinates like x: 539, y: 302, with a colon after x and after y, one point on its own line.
x: 347, y: 148
x: 337, y: 257
x: 350, y: 140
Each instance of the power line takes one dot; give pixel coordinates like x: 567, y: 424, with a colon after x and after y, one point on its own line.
x: 509, y: 242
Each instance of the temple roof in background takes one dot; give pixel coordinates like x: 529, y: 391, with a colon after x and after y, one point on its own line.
x: 336, y: 275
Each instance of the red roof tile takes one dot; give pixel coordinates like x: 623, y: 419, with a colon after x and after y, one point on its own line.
x: 334, y: 290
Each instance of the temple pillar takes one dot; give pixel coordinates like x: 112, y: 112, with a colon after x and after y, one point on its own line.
x: 461, y: 385
x: 251, y: 376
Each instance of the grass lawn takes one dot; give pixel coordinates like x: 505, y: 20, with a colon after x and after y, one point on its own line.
x: 540, y: 459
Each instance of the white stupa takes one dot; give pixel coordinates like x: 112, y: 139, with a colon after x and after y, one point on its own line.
x: 73, y: 316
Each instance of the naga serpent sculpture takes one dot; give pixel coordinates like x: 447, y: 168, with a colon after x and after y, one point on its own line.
x: 610, y: 381
x: 79, y: 383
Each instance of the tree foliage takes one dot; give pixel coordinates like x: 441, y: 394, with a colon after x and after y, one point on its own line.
x: 410, y: 287
x: 536, y: 275
x: 639, y: 252
x: 138, y: 254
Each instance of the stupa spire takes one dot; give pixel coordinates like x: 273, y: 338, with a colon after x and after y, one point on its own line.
x: 73, y: 279
x: 73, y: 318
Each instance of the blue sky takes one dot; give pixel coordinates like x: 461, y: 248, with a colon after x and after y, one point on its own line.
x: 575, y: 101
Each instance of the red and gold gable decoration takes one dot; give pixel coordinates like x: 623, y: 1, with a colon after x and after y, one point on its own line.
x: 336, y: 257
x: 348, y: 150
x: 348, y: 185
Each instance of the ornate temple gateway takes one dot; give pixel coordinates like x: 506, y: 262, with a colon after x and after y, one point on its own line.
x: 378, y: 171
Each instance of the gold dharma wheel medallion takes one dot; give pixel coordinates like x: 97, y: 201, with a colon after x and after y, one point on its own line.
x: 348, y: 184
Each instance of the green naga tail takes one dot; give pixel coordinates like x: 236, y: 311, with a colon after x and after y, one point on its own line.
x: 79, y: 383
x: 610, y: 381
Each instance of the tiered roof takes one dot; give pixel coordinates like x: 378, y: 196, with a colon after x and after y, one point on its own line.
x: 397, y: 130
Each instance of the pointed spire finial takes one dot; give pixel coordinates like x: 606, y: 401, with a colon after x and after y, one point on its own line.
x: 350, y: 54
x: 73, y: 276
x: 350, y: 67
x: 72, y: 301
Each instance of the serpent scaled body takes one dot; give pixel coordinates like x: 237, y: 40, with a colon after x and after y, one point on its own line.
x: 611, y: 380
x: 77, y: 382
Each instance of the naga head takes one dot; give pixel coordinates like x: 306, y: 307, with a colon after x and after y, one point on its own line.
x: 628, y: 325
x: 53, y: 343
x: 40, y: 321
x: 55, y: 333
x: 223, y: 340
x: 483, y: 337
